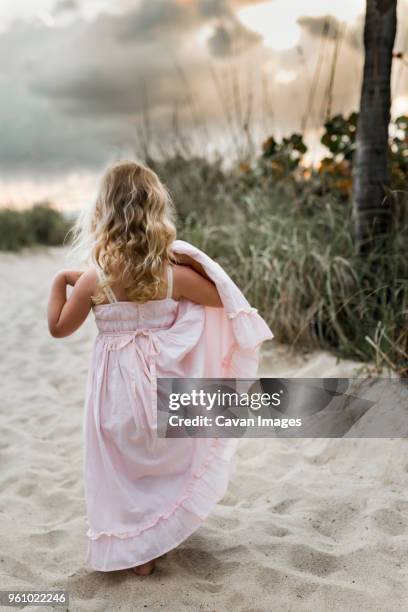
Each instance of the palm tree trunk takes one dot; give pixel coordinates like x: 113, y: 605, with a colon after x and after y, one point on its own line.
x: 371, y: 173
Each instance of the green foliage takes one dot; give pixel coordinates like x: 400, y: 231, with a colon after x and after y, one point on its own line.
x: 340, y: 136
x: 399, y: 153
x: 284, y: 157
x: 47, y: 224
x: 191, y: 181
x: 335, y: 171
x: 41, y: 224
x: 14, y: 230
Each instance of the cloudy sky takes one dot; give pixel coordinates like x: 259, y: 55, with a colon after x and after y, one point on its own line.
x: 84, y: 82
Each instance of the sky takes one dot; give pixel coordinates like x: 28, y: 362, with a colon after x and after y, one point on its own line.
x: 87, y: 82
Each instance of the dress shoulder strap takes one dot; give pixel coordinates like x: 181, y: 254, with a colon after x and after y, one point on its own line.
x: 107, y: 290
x: 169, y: 281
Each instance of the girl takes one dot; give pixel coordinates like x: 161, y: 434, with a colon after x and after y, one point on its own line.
x: 163, y: 309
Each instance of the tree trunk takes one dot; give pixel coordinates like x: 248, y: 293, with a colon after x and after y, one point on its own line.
x: 371, y: 174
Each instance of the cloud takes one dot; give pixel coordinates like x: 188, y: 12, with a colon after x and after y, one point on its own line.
x: 214, y: 8
x: 113, y: 58
x: 230, y: 38
x: 164, y: 17
x: 66, y: 6
x: 71, y: 94
x: 74, y: 93
x: 329, y: 27
x: 152, y: 18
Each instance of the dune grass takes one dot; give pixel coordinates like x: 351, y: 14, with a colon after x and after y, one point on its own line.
x: 40, y: 225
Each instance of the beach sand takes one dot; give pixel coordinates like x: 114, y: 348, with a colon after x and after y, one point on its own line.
x: 312, y: 525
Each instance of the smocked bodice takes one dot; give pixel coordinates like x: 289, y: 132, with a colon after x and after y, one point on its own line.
x: 130, y: 316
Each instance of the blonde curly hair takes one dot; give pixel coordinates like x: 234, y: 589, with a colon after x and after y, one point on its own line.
x: 129, y: 231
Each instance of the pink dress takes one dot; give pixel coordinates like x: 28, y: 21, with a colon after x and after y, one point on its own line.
x: 144, y: 494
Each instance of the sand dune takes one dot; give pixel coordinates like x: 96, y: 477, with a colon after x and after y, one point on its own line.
x: 306, y: 524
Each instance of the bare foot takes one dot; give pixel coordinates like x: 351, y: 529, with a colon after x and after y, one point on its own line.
x: 145, y: 569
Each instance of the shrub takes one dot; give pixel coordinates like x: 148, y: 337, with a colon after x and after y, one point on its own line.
x: 41, y: 224
x: 14, y: 230
x: 48, y: 225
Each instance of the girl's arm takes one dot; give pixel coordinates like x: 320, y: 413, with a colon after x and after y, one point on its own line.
x: 65, y: 316
x: 191, y: 285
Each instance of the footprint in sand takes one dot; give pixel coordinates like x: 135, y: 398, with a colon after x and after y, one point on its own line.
x: 283, y: 506
x: 390, y: 521
x: 311, y: 561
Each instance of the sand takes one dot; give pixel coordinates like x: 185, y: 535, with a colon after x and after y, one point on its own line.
x: 310, y: 525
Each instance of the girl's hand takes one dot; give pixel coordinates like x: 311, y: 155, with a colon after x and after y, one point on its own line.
x: 186, y: 260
